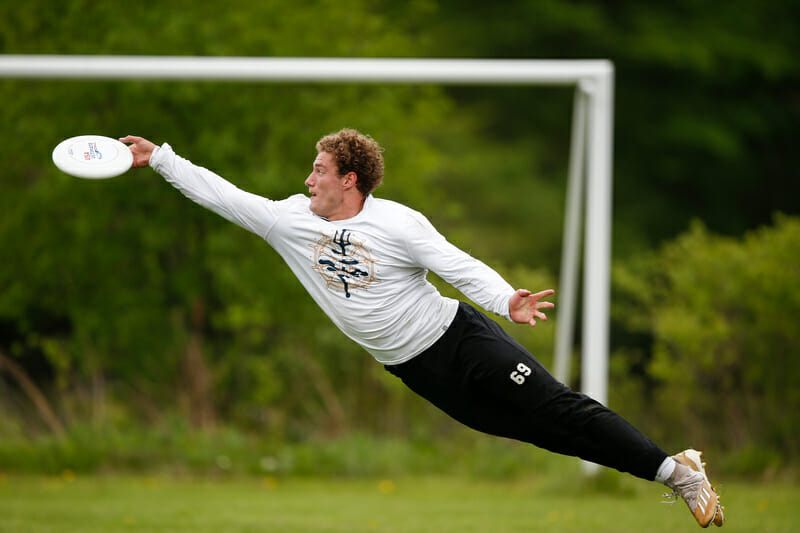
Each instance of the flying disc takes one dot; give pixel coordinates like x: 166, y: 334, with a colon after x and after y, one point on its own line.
x: 92, y: 157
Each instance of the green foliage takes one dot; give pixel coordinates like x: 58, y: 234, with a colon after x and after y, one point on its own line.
x: 128, y: 306
x: 721, y: 313
x: 125, y: 302
x: 705, y: 111
x: 173, y: 447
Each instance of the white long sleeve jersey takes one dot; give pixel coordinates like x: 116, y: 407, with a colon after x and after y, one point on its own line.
x: 367, y: 273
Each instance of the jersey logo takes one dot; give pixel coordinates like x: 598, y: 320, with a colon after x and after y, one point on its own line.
x: 344, y: 263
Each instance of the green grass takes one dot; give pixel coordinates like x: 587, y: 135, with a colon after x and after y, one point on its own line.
x: 121, y: 503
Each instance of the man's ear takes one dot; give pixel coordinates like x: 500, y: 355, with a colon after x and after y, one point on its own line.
x: 349, y: 180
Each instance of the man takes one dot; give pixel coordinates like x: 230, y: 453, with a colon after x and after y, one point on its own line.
x: 364, y: 261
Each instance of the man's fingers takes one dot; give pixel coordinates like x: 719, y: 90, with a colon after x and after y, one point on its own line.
x: 542, y: 294
x: 525, y: 293
x: 537, y: 315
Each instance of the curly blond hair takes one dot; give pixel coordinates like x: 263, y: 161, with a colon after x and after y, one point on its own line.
x: 355, y: 152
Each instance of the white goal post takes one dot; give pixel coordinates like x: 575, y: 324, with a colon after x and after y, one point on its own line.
x: 590, y: 160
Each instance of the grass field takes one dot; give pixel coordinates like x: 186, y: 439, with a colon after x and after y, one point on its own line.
x: 114, y: 503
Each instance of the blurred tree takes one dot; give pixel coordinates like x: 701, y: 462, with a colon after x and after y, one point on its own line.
x: 721, y: 315
x: 125, y: 303
x: 126, y: 300
x: 706, y: 108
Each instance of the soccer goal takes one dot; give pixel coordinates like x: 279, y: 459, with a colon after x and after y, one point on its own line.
x: 590, y: 162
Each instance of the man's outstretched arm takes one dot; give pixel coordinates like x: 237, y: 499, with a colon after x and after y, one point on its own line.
x: 250, y: 211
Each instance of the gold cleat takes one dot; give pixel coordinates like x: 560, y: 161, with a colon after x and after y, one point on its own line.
x: 696, y: 491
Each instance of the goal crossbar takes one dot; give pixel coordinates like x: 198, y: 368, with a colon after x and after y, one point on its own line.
x: 302, y: 69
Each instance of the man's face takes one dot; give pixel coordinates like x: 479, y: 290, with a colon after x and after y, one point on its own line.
x: 324, y: 186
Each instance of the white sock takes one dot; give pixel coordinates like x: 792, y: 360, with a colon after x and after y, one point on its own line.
x: 666, y: 469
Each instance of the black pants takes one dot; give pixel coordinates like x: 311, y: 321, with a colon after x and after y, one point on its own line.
x: 482, y: 377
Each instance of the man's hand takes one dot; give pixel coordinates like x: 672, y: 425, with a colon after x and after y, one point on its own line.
x: 141, y: 149
x: 523, y: 306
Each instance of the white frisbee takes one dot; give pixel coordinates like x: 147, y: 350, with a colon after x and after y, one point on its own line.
x: 92, y: 157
